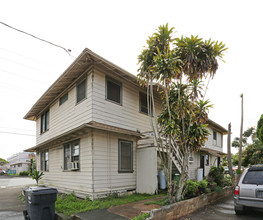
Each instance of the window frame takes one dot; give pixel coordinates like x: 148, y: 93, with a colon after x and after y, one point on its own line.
x: 84, y: 81
x: 207, y: 159
x: 44, y: 121
x: 71, y: 145
x: 140, y: 104
x: 214, y: 135
x: 63, y: 99
x: 44, y: 164
x: 116, y: 82
x: 120, y: 169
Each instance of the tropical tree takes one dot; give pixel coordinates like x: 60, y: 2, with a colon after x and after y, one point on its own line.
x: 3, y: 161
x: 259, y: 131
x: 178, y: 65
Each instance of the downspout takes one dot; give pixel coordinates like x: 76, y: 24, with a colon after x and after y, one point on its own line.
x: 92, y: 159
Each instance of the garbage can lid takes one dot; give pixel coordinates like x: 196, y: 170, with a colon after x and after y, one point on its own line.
x: 41, y: 190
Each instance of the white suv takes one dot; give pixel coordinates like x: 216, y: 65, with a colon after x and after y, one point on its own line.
x: 249, y: 191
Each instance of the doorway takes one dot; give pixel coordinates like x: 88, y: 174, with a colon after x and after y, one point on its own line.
x: 202, y: 163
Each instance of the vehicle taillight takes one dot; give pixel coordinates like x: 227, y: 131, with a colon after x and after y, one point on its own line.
x: 237, y: 190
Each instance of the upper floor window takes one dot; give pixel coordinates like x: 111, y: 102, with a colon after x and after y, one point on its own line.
x: 214, y: 135
x: 113, y: 90
x: 44, y: 121
x: 125, y: 156
x: 144, y: 104
x: 71, y: 155
x: 81, y: 90
x: 63, y: 99
x: 44, y: 160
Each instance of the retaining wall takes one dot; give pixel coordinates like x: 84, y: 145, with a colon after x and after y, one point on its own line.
x: 180, y: 209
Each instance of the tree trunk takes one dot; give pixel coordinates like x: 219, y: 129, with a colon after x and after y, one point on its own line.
x: 180, y: 187
x: 241, y: 133
x: 229, y: 157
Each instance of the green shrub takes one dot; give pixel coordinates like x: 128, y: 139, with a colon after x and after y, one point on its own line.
x: 218, y: 189
x: 217, y: 175
x: 208, y: 190
x: 228, y: 181
x: 24, y: 173
x: 141, y: 216
x: 202, y: 184
x: 238, y: 171
x: 191, y: 187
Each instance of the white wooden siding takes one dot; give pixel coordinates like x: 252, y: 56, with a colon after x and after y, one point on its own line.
x: 77, y: 181
x: 67, y: 116
x: 218, y: 145
x: 105, y: 164
x: 125, y: 116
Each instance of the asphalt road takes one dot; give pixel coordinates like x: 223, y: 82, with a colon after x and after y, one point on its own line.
x: 223, y: 210
x: 11, y: 208
x: 13, y: 181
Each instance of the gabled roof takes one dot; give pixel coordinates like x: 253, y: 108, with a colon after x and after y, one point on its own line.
x: 85, y: 60
x: 217, y: 126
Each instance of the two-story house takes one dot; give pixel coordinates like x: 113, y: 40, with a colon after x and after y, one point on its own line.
x: 88, y: 125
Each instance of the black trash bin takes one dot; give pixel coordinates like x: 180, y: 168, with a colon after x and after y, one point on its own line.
x: 40, y: 203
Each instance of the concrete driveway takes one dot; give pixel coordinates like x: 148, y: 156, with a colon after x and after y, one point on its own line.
x: 11, y: 208
x: 223, y: 210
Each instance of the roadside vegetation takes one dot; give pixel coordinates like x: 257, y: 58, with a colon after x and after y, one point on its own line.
x: 70, y: 204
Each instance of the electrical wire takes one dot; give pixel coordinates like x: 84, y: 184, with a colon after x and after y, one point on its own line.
x: 31, y: 35
x: 6, y: 132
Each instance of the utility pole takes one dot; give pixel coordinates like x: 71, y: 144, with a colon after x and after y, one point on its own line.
x: 241, y: 133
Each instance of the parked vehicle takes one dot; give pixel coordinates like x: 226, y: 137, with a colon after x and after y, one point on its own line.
x: 226, y: 170
x: 249, y: 190
x: 2, y: 172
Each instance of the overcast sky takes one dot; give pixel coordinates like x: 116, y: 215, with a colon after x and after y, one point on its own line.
x: 117, y: 31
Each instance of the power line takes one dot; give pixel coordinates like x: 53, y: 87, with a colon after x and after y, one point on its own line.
x: 31, y: 35
x: 5, y: 132
x: 15, y: 129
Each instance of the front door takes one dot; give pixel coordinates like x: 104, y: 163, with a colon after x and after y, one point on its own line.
x: 202, y: 163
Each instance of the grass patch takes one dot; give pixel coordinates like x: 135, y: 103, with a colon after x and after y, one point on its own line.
x: 141, y: 216
x: 21, y: 197
x: 70, y: 204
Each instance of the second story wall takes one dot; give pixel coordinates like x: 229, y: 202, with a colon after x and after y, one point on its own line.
x: 215, y: 140
x: 69, y: 115
x: 126, y: 115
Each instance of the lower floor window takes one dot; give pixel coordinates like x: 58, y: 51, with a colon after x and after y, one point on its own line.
x: 44, y: 160
x: 125, y: 152
x: 71, y: 155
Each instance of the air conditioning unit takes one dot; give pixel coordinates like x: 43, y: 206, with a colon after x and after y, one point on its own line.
x: 74, y: 165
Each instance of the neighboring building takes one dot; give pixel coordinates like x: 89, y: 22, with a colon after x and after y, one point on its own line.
x: 19, y: 162
x: 89, y: 123
x: 211, y: 154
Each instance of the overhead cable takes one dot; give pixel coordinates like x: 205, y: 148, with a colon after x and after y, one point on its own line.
x: 31, y: 35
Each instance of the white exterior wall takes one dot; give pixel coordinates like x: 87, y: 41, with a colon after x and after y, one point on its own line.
x: 125, y: 116
x: 67, y: 116
x: 105, y: 164
x: 216, y: 145
x: 146, y: 170
x: 78, y: 181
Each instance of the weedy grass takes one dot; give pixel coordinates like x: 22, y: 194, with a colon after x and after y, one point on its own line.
x: 70, y: 204
x: 141, y: 216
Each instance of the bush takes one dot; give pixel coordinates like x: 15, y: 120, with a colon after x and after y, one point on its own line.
x: 217, y: 175
x: 191, y: 187
x: 142, y: 216
x: 228, y: 181
x: 202, y: 184
x: 24, y: 173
